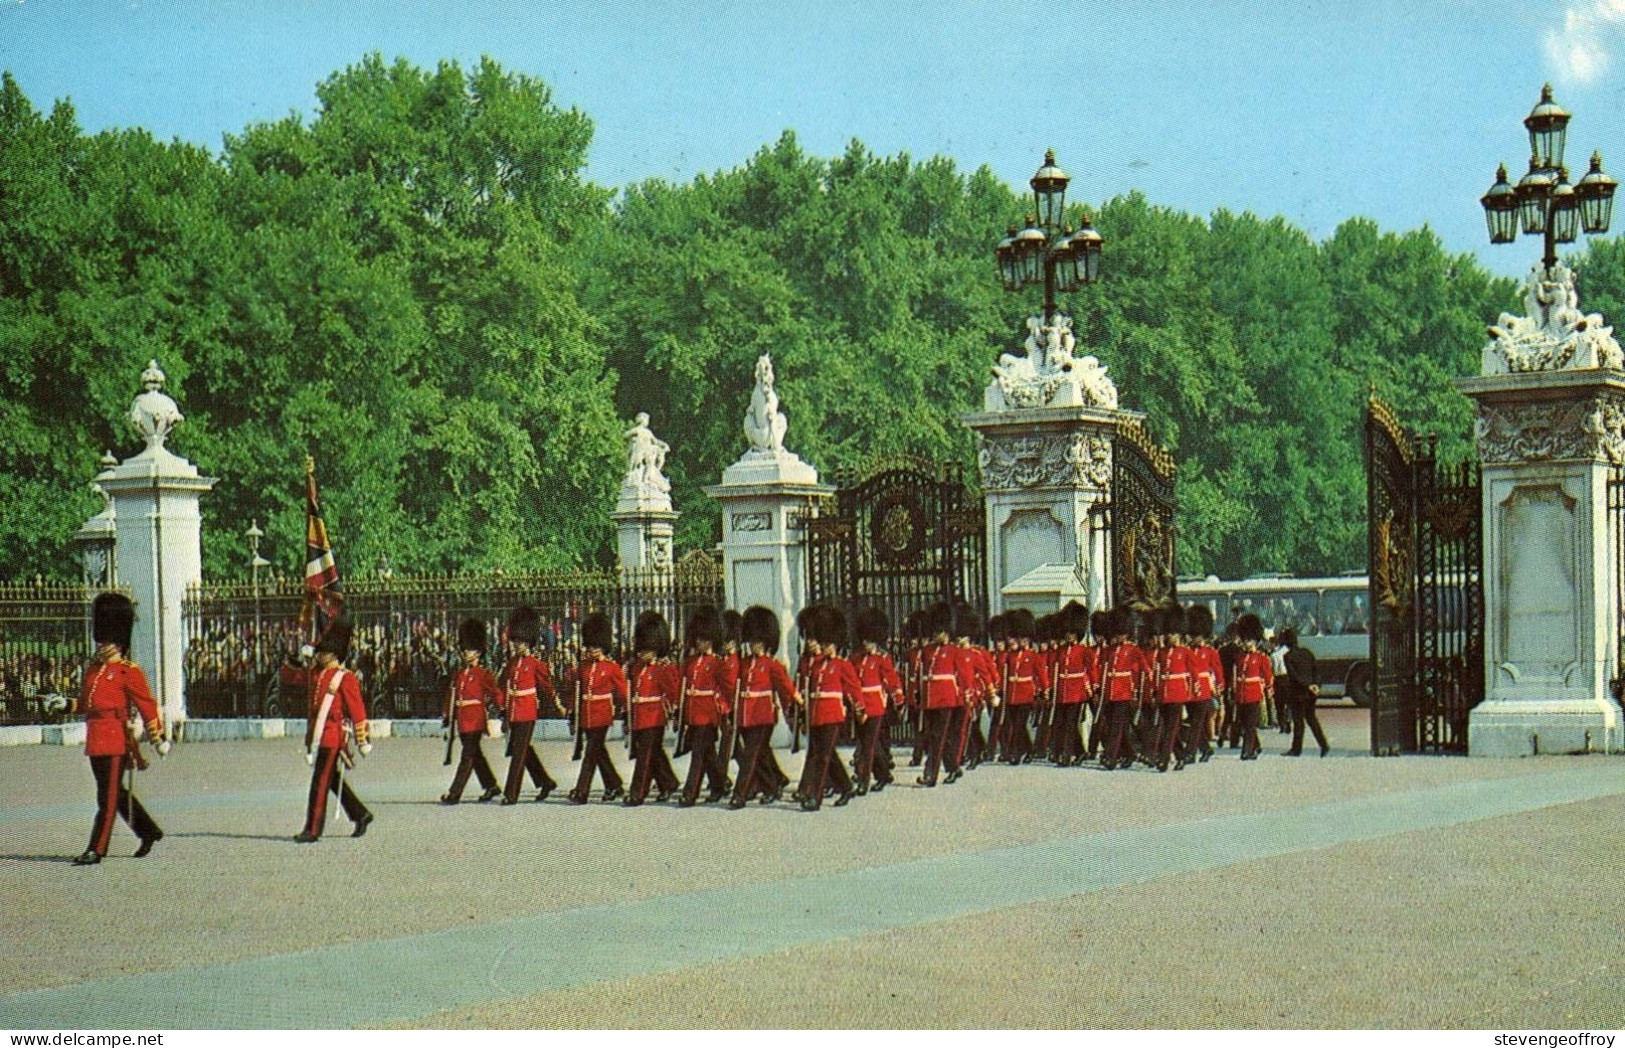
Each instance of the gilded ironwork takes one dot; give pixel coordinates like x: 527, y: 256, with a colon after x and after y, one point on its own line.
x: 1143, y: 505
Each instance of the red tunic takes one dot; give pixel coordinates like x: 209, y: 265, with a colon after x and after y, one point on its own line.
x: 346, y: 706
x: 1125, y: 669
x: 603, y: 686
x: 1173, y: 677
x: 835, y: 686
x: 108, y: 691
x: 655, y: 689
x: 1254, y: 677
x: 471, y: 690
x: 762, y: 679
x: 710, y: 690
x: 1074, y: 674
x: 986, y: 671
x: 1027, y: 677
x: 878, y: 678
x: 525, y: 679
x: 947, y: 673
x: 1208, y: 671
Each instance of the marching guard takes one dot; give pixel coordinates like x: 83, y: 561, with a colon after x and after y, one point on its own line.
x: 762, y: 678
x: 1123, y: 674
x: 473, y: 690
x: 1209, y: 679
x: 335, y: 710
x: 655, y: 687
x: 1027, y: 678
x: 1173, y: 679
x: 983, y: 690
x: 600, y: 688
x: 947, y: 673
x: 707, y: 687
x: 832, y: 690
x: 882, y: 690
x: 1074, y: 680
x: 526, y: 680
x: 111, y: 687
x: 1254, y: 682
x: 1099, y: 630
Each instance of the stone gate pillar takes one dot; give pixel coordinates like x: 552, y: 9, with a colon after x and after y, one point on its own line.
x: 1550, y: 432
x: 1045, y: 452
x: 643, y: 515
x: 158, y: 544
x: 766, y: 496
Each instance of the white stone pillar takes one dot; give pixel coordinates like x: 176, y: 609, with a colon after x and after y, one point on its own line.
x: 158, y: 542
x: 643, y: 514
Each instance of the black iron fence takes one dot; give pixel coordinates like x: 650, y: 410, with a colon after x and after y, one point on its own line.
x: 45, y: 645
x: 242, y: 640
x: 1616, y: 539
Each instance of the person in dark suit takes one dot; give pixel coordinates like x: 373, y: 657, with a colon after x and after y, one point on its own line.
x: 1302, y: 685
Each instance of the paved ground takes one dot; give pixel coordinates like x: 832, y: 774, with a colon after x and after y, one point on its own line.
x: 1346, y: 892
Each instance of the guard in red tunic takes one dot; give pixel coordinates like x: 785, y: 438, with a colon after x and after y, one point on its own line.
x: 1209, y: 680
x: 526, y: 684
x: 762, y: 679
x: 1099, y: 628
x: 917, y: 628
x: 1255, y: 681
x: 946, y: 673
x: 111, y: 689
x: 984, y: 685
x: 600, y: 691
x: 336, y: 710
x: 1125, y: 670
x: 1074, y: 682
x: 655, y: 688
x: 707, y: 691
x: 1028, y: 677
x: 882, y: 691
x: 473, y: 691
x: 728, y: 647
x: 1173, y: 674
x: 999, y: 656
x: 833, y: 690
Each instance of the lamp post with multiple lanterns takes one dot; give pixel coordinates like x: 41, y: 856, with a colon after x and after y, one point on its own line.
x: 1046, y: 250
x: 1544, y: 202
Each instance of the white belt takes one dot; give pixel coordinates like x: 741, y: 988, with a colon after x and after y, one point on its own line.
x: 944, y: 676
x: 1020, y: 680
x: 522, y: 691
x: 600, y: 698
x: 874, y: 688
x: 693, y: 694
x: 470, y: 702
x: 832, y: 695
x: 646, y: 698
x: 1074, y: 676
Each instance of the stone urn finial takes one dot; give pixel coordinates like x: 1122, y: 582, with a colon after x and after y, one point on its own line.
x: 154, y: 414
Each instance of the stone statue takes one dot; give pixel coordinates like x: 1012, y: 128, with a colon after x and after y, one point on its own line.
x: 1048, y: 374
x: 154, y: 414
x: 1554, y: 334
x: 764, y: 422
x: 645, y: 458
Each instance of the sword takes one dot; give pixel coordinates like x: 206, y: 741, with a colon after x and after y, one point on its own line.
x: 581, y: 737
x: 451, y: 722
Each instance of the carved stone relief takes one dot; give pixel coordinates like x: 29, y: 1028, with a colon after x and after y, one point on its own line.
x: 753, y: 521
x: 1046, y: 461
x: 1586, y: 429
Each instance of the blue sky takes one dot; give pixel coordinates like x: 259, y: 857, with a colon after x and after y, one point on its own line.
x: 1317, y: 110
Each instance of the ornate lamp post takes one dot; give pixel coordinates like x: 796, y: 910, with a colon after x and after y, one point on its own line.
x: 1544, y: 202
x: 255, y: 563
x: 1046, y: 251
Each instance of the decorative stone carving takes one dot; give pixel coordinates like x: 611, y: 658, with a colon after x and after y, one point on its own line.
x: 154, y: 414
x: 1047, y: 374
x: 1554, y: 335
x: 646, y: 460
x: 1542, y: 431
x: 660, y: 552
x: 764, y: 422
x: 753, y: 522
x: 1047, y: 461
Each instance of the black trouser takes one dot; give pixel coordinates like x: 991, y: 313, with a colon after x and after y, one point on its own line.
x: 759, y: 770
x: 883, y: 757
x: 1118, y: 715
x: 1017, y: 742
x: 596, y: 759
x: 1198, y: 726
x: 474, y: 762
x: 822, y: 763
x: 1170, y: 727
x: 868, y: 764
x: 1232, y: 721
x: 1097, y: 727
x: 651, y: 763
x: 995, y: 734
x: 323, y: 778
x: 975, y: 740
x: 1065, y: 740
x: 114, y: 799
x: 1247, y: 726
x: 522, y: 758
x: 1282, y: 711
x: 1303, y: 709
x: 935, y: 736
x: 921, y: 735
x: 703, y: 759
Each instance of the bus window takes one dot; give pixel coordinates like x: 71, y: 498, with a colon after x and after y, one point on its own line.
x: 1298, y: 609
x: 1343, y: 611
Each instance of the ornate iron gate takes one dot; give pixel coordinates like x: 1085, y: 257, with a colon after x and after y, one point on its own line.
x: 1426, y: 562
x: 901, y: 538
x: 1142, y: 519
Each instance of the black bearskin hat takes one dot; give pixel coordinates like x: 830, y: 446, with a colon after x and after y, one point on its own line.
x: 525, y: 626
x: 596, y: 632
x: 873, y: 626
x: 996, y: 629
x: 967, y: 623
x: 652, y: 634
x: 1073, y: 619
x: 1170, y: 620
x: 939, y: 618
x: 733, y: 627
x: 471, y: 635
x: 1249, y: 628
x: 112, y: 619
x: 1019, y: 622
x: 1100, y: 624
x: 829, y: 626
x: 336, y: 638
x: 1199, y: 621
x: 1120, y: 623
x: 703, y: 625
x: 914, y: 626
x: 761, y: 626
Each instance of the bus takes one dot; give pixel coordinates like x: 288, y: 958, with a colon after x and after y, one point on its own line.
x: 1332, y: 616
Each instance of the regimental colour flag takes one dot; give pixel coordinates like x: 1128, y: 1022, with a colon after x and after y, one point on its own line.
x: 321, y: 571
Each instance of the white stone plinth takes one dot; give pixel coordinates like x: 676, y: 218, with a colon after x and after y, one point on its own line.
x: 159, y: 553
x: 643, y: 537
x: 765, y: 498
x: 1548, y: 443
x: 1046, y: 477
